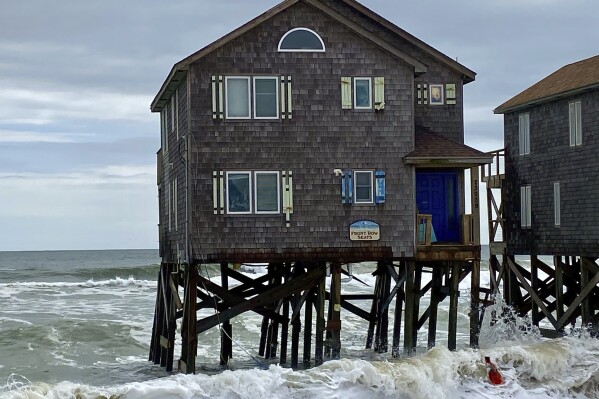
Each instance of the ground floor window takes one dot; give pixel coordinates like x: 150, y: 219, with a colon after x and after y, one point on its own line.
x: 525, y: 207
x: 363, y: 187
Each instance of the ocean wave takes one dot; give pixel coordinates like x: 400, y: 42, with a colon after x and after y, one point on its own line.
x: 91, y: 283
x: 561, y: 368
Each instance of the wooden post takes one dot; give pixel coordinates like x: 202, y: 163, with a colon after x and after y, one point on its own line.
x: 417, y: 286
x: 534, y: 284
x: 226, y: 342
x: 320, y: 299
x: 474, y: 303
x: 189, y: 336
x: 398, y: 306
x: 453, y: 306
x: 334, y: 324
x: 559, y: 290
x: 265, y: 320
x: 383, y: 339
x: 410, y: 319
x: 374, y: 310
x: 435, y: 297
x: 308, y: 326
x: 285, y: 333
x: 585, y: 305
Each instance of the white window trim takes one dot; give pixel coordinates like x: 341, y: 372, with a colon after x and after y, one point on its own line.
x: 249, y: 98
x: 265, y: 172
x: 239, y: 172
x: 557, y: 212
x: 576, y: 123
x: 163, y: 132
x: 169, y: 194
x: 524, y: 133
x: 355, y: 187
x: 276, y: 79
x: 301, y: 50
x: 175, y: 204
x: 525, y: 207
x: 369, y: 93
x: 177, y: 113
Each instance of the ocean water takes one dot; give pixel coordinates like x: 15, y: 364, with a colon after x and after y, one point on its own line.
x: 77, y: 324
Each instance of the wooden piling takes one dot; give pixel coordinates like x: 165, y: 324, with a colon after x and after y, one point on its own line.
x: 398, y: 309
x: 437, y: 282
x: 308, y: 326
x: 226, y: 335
x: 453, y: 306
x: 320, y: 323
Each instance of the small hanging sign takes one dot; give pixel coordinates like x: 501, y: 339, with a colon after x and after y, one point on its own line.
x: 364, y: 230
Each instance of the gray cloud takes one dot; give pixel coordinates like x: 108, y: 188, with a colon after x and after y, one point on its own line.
x: 77, y: 77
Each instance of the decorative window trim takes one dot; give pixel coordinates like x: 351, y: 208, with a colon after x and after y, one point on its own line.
x: 227, y: 116
x: 301, y: 50
x: 277, y: 101
x: 241, y: 172
x: 436, y: 88
x: 526, y: 207
x: 575, y: 122
x: 524, y: 133
x: 357, y: 200
x: 356, y: 92
x: 163, y: 130
x: 255, y: 184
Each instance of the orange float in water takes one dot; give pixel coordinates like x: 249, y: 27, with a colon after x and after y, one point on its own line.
x: 495, y: 376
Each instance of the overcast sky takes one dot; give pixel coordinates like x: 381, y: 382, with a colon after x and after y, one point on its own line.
x: 77, y: 139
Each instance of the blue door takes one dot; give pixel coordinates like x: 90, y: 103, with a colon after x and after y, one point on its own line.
x: 437, y: 195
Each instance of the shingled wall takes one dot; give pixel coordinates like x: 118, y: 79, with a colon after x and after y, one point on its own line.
x: 551, y: 159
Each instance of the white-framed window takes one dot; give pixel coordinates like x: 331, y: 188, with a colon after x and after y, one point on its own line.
x: 363, y: 187
x: 525, y: 206
x: 556, y: 204
x: 266, y: 97
x: 237, y: 97
x: 177, y: 113
x: 575, y: 123
x: 163, y: 130
x: 239, y: 194
x: 362, y: 93
x: 301, y: 40
x: 524, y: 133
x: 267, y: 192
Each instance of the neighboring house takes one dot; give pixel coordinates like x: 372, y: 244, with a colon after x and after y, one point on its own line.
x: 551, y: 187
x: 316, y: 115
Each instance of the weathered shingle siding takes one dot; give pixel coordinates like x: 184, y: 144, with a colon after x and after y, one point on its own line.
x: 447, y: 120
x: 174, y: 169
x: 321, y: 137
x: 551, y: 159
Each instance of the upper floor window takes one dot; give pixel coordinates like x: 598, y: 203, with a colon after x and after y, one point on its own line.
x: 238, y: 98
x: 575, y: 124
x: 524, y: 133
x: 301, y: 40
x: 362, y: 93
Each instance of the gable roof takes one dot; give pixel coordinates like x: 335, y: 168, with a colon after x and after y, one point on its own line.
x: 568, y: 80
x: 432, y: 149
x: 178, y: 71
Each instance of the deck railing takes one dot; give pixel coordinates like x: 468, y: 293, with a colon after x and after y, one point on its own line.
x: 495, y: 171
x: 426, y: 235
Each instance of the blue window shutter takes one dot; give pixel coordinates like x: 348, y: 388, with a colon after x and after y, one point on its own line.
x: 343, y: 188
x: 380, y: 187
x: 350, y: 186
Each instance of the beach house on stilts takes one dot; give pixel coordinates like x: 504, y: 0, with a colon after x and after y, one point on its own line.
x: 544, y: 198
x: 317, y: 135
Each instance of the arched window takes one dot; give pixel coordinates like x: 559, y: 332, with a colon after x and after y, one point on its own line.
x: 301, y: 40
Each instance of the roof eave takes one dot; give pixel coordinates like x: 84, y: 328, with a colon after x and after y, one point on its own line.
x: 505, y: 110
x: 439, y: 162
x: 468, y: 75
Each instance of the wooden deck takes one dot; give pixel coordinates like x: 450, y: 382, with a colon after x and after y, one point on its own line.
x: 447, y: 252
